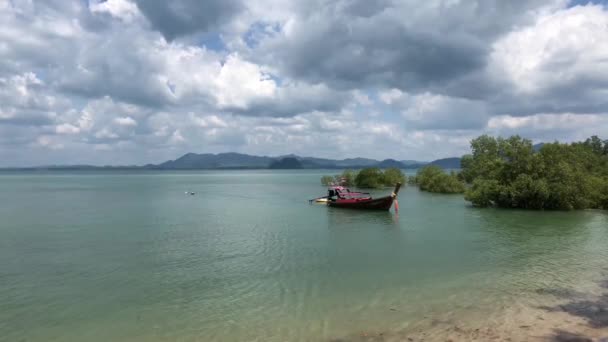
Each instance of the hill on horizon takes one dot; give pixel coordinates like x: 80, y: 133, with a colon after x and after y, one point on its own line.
x: 288, y: 163
x: 447, y: 163
x: 234, y: 160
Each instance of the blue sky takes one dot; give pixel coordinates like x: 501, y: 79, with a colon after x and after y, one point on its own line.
x: 134, y: 81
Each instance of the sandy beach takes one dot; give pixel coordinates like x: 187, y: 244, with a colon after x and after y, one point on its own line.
x: 569, y: 315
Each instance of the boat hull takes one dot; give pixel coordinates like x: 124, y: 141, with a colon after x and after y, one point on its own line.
x: 382, y: 203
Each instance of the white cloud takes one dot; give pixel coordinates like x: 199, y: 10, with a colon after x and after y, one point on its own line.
x: 579, y: 125
x: 176, y: 137
x: 328, y: 124
x: 67, y: 128
x: 562, y: 48
x: 102, y: 147
x: 209, y: 121
x: 433, y: 111
x: 101, y: 112
x: 25, y: 91
x: 49, y: 142
x: 125, y: 121
x: 105, y: 133
x: 389, y: 96
x: 240, y: 82
x: 361, y: 98
x: 123, y: 9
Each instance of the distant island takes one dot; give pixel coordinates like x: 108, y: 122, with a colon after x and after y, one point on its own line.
x: 231, y: 160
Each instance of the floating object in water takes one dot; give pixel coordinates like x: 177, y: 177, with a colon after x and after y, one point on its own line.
x: 190, y: 193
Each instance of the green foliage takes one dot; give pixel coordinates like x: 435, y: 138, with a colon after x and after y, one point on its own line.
x: 370, y: 178
x: 509, y: 173
x: 393, y: 176
x: 597, y: 145
x: 466, y: 174
x: 347, y: 178
x: 483, y: 193
x: 327, y: 180
x: 366, y: 178
x: 412, y: 180
x: 433, y: 179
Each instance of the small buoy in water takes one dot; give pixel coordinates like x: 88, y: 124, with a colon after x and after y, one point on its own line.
x: 189, y: 193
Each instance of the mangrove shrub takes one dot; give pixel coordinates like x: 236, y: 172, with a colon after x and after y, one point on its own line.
x: 370, y: 178
x: 366, y: 178
x: 393, y: 176
x: 346, y: 178
x: 433, y: 179
x: 511, y: 173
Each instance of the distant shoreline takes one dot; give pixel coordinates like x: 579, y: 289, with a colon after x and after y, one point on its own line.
x: 139, y: 168
x: 237, y: 161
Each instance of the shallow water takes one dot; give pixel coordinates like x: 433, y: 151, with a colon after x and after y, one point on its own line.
x: 127, y: 256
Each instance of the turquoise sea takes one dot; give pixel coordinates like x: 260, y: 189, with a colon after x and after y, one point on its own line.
x: 128, y: 256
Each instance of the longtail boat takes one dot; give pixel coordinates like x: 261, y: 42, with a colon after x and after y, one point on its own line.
x: 341, y: 197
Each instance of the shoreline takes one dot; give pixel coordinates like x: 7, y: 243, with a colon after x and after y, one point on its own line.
x: 569, y: 315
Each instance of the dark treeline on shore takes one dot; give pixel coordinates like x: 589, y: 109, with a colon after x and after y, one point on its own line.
x: 512, y: 173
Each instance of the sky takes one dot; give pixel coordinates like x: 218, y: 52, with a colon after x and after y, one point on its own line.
x: 128, y: 82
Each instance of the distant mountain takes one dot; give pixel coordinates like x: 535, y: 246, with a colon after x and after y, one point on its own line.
x: 286, y: 163
x: 447, y: 163
x: 245, y: 161
x: 208, y: 161
x: 537, y: 147
x: 316, y: 163
x: 385, y: 164
x: 217, y: 161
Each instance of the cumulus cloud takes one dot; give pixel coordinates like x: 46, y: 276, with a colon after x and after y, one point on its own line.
x: 550, y: 126
x: 239, y: 82
x: 350, y: 43
x: 428, y: 111
x: 143, y: 81
x: 559, y: 63
x: 67, y: 128
x: 183, y: 17
x: 123, y: 9
x: 125, y: 121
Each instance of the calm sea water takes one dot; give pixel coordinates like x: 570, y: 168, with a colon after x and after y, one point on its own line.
x: 127, y: 256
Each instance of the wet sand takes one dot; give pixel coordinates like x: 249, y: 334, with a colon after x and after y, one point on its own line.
x: 566, y: 315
